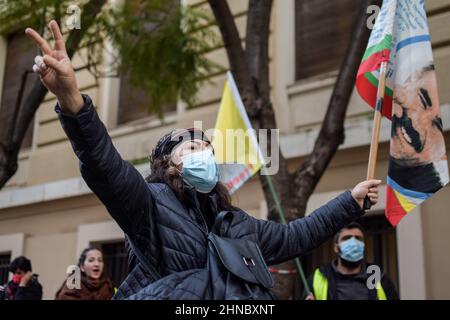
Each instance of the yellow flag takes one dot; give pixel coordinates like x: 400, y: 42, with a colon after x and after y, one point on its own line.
x: 236, y: 148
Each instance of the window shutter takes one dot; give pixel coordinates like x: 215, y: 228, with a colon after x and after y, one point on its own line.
x: 5, y: 259
x: 133, y: 103
x: 323, y: 31
x: 19, y: 58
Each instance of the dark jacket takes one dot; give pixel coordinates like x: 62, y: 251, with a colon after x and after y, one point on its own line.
x: 353, y: 287
x: 33, y: 291
x: 173, y: 235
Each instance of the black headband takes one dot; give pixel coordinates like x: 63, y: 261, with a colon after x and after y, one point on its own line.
x: 169, y: 141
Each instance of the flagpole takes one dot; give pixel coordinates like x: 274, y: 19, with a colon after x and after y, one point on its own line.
x: 280, y: 211
x: 377, y: 122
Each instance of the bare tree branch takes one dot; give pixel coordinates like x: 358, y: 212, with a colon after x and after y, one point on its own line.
x: 236, y: 54
x: 257, y: 46
x: 251, y: 70
x: 262, y: 114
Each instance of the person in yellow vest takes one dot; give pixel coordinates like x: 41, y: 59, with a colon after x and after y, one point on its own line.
x: 347, y: 278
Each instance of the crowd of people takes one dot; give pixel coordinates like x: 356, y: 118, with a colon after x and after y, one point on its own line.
x: 345, y: 278
x: 187, y: 240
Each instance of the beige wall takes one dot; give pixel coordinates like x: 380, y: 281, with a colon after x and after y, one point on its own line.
x: 436, y: 226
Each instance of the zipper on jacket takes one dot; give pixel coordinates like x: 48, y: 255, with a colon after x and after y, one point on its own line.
x: 198, y: 212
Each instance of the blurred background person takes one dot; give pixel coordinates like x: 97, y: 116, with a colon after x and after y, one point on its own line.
x: 346, y: 278
x: 24, y: 284
x: 95, y: 284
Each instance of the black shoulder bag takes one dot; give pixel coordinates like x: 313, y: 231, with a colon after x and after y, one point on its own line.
x: 235, y: 270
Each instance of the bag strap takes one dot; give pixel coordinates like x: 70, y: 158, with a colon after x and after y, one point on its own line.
x: 222, y: 223
x: 144, y: 261
x: 220, y: 227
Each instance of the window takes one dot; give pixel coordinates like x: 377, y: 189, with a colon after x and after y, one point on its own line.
x: 133, y: 103
x: 322, y: 33
x: 116, y: 261
x: 18, y: 76
x: 5, y: 260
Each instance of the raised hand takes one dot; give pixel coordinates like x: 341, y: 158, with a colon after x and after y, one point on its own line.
x: 55, y: 69
x: 25, y: 279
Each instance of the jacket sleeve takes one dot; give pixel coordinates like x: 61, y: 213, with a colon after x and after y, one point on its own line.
x: 280, y: 242
x: 116, y: 182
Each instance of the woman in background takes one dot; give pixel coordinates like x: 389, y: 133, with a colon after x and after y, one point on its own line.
x: 95, y: 284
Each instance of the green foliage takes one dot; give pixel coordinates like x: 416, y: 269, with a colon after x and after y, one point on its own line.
x: 15, y: 14
x: 158, y: 44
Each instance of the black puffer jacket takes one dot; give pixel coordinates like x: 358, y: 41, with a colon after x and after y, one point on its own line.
x: 33, y: 291
x: 173, y: 235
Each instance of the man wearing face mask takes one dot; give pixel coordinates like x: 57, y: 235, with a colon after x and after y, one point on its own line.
x: 346, y: 277
x: 168, y: 217
x: 24, y: 284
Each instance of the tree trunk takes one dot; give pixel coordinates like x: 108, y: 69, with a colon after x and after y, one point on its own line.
x: 13, y: 131
x: 250, y: 68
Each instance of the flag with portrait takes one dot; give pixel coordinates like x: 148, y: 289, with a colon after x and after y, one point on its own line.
x: 417, y: 162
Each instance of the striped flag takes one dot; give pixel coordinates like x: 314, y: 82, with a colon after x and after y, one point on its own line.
x: 235, y: 145
x: 417, y: 164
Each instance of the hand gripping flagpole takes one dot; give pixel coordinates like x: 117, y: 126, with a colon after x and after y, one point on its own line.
x: 376, y: 127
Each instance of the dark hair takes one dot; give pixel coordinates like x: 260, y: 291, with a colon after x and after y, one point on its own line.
x: 21, y: 263
x: 351, y: 225
x: 84, y: 253
x: 163, y: 170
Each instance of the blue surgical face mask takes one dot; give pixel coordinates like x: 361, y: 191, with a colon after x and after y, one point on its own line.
x: 200, y: 170
x: 352, y: 250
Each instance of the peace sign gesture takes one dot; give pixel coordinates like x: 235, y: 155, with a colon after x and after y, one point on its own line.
x: 55, y: 69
